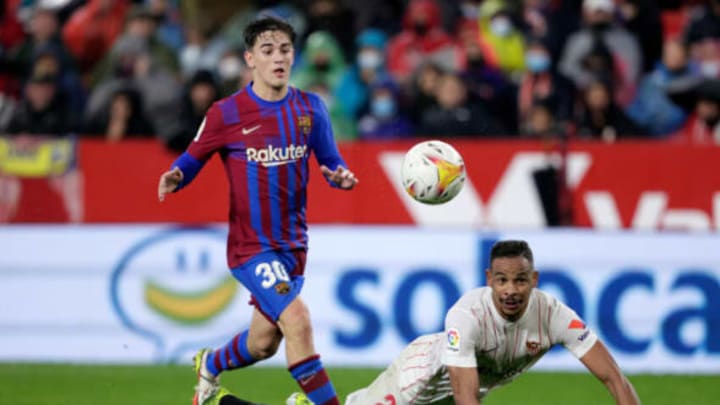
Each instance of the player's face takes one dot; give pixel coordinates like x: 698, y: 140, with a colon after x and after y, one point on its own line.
x: 511, y: 279
x: 271, y: 59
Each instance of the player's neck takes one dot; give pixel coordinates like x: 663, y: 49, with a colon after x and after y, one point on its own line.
x: 269, y: 93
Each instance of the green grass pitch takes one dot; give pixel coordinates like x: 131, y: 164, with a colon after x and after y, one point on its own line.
x: 41, y: 384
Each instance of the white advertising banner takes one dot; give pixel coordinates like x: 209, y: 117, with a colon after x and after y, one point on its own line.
x: 151, y: 294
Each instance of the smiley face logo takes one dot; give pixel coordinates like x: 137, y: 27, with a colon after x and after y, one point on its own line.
x: 174, y: 288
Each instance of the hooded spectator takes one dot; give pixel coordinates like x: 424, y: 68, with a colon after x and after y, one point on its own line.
x: 421, y: 40
x: 123, y: 118
x: 201, y: 91
x: 43, y: 110
x: 600, y: 33
x: 502, y: 42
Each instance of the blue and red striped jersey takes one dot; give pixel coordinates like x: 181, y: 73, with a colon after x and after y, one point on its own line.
x: 265, y: 147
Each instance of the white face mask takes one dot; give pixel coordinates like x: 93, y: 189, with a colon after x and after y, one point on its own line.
x: 470, y: 10
x: 710, y: 69
x: 369, y: 59
x: 501, y: 26
x: 230, y: 68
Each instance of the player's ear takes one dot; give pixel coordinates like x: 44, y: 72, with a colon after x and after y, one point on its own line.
x: 535, y: 277
x: 488, y: 276
x: 248, y: 56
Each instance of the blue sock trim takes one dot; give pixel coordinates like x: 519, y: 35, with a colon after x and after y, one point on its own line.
x: 322, y: 394
x: 242, y: 346
x: 210, y: 364
x: 306, y: 368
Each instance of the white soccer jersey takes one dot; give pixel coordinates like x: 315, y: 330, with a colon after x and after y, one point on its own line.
x: 477, y: 336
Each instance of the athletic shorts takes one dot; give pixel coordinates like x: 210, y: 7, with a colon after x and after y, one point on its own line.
x: 274, y: 279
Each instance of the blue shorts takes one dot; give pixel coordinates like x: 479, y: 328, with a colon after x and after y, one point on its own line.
x: 274, y: 279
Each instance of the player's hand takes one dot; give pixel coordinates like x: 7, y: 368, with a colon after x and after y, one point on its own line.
x: 169, y: 182
x: 341, y: 176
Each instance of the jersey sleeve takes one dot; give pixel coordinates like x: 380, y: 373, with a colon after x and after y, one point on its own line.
x: 568, y: 329
x: 461, y: 334
x: 322, y: 141
x: 210, y: 136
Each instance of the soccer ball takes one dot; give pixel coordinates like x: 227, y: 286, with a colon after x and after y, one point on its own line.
x: 433, y: 172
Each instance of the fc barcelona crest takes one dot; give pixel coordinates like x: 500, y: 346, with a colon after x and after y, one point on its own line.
x: 304, y: 124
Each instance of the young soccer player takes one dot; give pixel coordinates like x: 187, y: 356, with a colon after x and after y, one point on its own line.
x: 264, y: 135
x: 492, y: 335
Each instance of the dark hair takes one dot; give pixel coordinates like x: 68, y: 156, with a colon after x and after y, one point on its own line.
x: 266, y: 23
x: 511, y: 248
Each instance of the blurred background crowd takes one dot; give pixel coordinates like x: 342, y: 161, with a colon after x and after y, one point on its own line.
x: 387, y: 69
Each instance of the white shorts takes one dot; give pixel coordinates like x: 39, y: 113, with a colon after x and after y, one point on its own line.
x: 415, y: 377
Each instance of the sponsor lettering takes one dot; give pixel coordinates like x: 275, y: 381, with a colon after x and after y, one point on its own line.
x: 274, y: 156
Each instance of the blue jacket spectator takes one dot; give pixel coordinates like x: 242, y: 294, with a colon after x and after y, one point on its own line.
x: 354, y: 86
x: 667, y: 94
x: 384, y: 119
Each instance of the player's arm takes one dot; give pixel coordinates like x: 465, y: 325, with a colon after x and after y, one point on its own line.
x: 567, y: 328
x: 461, y: 335
x: 322, y: 142
x: 601, y: 363
x: 183, y: 170
x: 465, y: 385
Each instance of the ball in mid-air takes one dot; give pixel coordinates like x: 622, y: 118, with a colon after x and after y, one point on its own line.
x: 433, y: 172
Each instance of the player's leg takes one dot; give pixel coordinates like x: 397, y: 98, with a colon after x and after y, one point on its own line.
x: 275, y: 280
x: 303, y: 362
x: 256, y: 343
x: 405, y: 380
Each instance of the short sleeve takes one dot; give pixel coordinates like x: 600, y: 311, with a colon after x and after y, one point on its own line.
x: 461, y: 334
x: 210, y: 135
x: 568, y: 329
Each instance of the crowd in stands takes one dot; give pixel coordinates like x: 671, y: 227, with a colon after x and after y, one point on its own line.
x: 387, y: 69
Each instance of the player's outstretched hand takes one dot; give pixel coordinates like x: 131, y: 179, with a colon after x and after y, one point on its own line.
x: 341, y: 176
x: 169, y: 182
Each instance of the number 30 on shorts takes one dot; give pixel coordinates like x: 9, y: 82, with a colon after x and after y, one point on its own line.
x: 271, y: 273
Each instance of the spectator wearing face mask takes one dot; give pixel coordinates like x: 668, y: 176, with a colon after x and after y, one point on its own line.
x: 369, y: 68
x: 384, y: 120
x: 202, y: 50
x: 600, y: 31
x: 322, y: 62
x: 421, y: 40
x: 233, y: 73
x: 502, y: 43
x: 540, y: 84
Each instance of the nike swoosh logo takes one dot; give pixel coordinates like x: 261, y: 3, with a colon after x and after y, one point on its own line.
x: 248, y: 131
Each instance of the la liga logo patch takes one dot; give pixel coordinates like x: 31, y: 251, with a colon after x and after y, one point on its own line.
x: 453, y: 339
